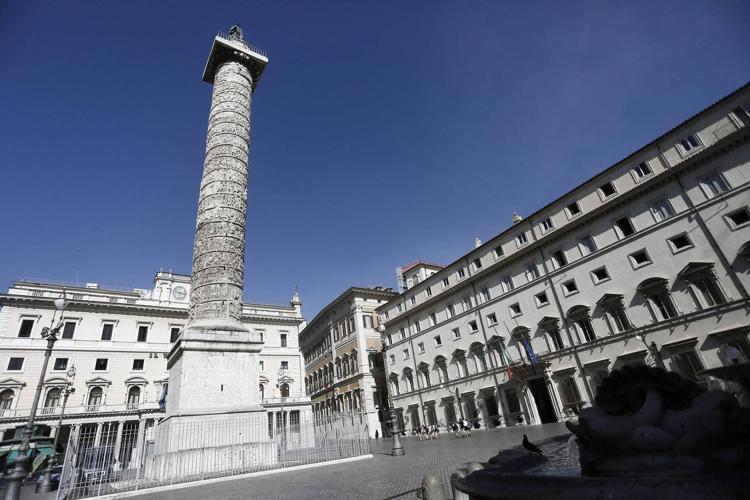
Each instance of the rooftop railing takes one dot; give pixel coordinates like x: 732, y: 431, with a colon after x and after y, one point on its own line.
x: 255, y: 49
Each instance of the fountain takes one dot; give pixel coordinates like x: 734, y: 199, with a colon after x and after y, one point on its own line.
x: 649, y: 433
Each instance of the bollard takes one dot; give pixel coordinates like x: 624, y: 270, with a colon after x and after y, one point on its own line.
x: 432, y: 488
x: 457, y: 495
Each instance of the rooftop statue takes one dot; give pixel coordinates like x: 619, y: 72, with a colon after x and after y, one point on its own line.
x: 235, y: 33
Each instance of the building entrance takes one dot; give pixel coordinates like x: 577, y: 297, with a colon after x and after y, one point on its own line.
x: 543, y: 400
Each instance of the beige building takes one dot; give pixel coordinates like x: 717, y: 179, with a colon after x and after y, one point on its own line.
x: 343, y: 359
x: 118, y: 342
x: 647, y: 262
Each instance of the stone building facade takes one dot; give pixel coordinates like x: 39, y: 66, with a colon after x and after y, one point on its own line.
x: 647, y: 262
x: 118, y: 342
x: 343, y: 357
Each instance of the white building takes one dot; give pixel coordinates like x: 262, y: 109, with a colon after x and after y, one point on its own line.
x: 118, y: 342
x: 647, y: 261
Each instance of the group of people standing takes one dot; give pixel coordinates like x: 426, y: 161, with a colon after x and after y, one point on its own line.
x: 462, y: 428
x: 429, y: 432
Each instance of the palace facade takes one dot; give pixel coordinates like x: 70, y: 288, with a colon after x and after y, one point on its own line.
x: 646, y: 263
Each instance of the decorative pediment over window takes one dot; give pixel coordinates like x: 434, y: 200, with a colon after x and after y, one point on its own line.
x: 264, y: 380
x: 285, y: 379
x: 610, y: 299
x: 519, y: 333
x: 136, y: 381
x: 98, y: 381
x: 578, y: 311
x: 744, y: 252
x: 695, y: 268
x: 55, y: 381
x: 548, y: 322
x: 652, y: 283
x: 12, y: 383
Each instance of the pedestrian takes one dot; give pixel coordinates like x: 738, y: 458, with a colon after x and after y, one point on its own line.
x: 376, y: 434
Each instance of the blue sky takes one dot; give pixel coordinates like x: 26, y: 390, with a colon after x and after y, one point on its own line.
x: 382, y: 131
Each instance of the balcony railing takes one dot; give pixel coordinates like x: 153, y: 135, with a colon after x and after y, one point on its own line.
x: 80, y: 410
x: 243, y: 42
x: 277, y: 401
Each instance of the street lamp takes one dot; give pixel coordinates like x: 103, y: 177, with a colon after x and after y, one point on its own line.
x: 15, y: 478
x: 398, y: 448
x: 653, y: 350
x: 47, y: 484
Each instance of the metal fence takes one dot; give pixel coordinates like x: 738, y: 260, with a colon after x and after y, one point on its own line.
x: 119, y: 460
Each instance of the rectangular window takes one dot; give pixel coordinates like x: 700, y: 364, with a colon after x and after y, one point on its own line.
x: 174, y: 332
x: 26, y: 326
x: 137, y: 364
x: 680, y: 242
x: 515, y: 309
x: 391, y: 358
x: 688, y: 363
x: 541, y: 299
x: 413, y: 299
x: 690, y: 143
x: 587, y: 245
x: 61, y: 364
x: 107, y: 329
x: 473, y: 327
x: 420, y: 347
x: 451, y: 310
x: 705, y: 288
x: 521, y: 239
x: 714, y: 184
x: 573, y: 210
x: 402, y: 332
x: 433, y: 319
x: 285, y: 365
x: 261, y: 366
x: 547, y: 224
x: 367, y: 320
x: 662, y: 209
x: 69, y: 329
x: 570, y: 287
x: 624, y: 228
x: 283, y: 339
x: 142, y: 333
x: 559, y: 259
x: 438, y: 341
x: 428, y: 291
x: 639, y: 258
x: 507, y: 284
x: 405, y: 353
x: 101, y: 364
x: 606, y: 190
x: 417, y: 326
x: 491, y: 318
x: 477, y: 264
x: 600, y: 275
x: 461, y: 273
x: 532, y: 272
x: 446, y: 283
x: 486, y: 295
x: 498, y: 251
x: 350, y: 322
x: 456, y: 333
x: 738, y: 218
x: 399, y: 307
x: 15, y: 364
x: 466, y: 303
x: 642, y: 170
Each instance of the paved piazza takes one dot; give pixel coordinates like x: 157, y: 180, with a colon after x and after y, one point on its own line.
x: 375, y: 478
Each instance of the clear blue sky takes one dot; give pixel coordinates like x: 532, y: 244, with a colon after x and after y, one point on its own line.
x: 382, y: 132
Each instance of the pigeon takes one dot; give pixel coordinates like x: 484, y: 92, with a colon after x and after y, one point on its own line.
x: 530, y: 446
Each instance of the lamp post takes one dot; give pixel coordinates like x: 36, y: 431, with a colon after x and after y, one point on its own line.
x: 15, y: 478
x: 654, y: 351
x: 398, y: 448
x: 47, y: 484
x: 279, y: 384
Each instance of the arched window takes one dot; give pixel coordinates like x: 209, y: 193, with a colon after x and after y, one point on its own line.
x: 551, y: 326
x: 394, y: 384
x: 442, y: 369
x: 658, y: 299
x: 95, y: 396
x: 134, y: 397
x: 614, y: 308
x: 703, y: 284
x: 53, y: 398
x: 262, y: 392
x: 6, y: 399
x: 424, y: 372
x: 581, y: 320
x: 477, y: 353
x: 459, y: 358
x: 408, y: 379
x: 284, y: 390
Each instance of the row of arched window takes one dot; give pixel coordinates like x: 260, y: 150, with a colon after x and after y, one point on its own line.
x: 342, y: 367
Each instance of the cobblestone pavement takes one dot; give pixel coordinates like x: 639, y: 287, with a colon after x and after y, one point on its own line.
x: 375, y: 478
